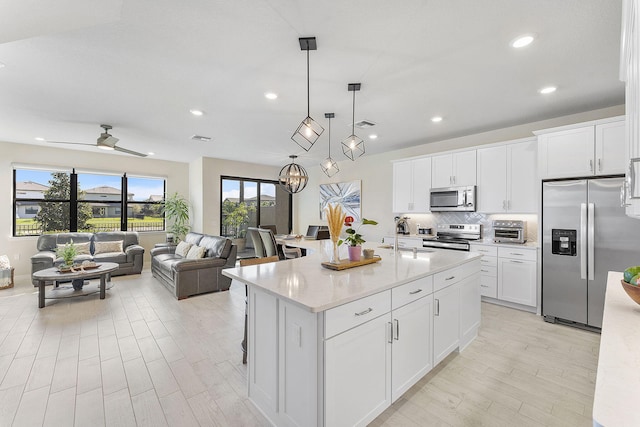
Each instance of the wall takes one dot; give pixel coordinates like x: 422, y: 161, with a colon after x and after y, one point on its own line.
x: 375, y: 171
x: 207, y: 195
x: 20, y: 249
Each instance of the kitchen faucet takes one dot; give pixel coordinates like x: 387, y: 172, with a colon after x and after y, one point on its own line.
x: 399, y: 220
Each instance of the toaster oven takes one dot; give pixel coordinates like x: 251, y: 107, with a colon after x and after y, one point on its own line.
x: 505, y: 231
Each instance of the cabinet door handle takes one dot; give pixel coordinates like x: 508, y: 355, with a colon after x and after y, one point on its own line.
x: 504, y: 205
x: 599, y: 165
x: 397, y: 334
x: 437, y: 313
x: 450, y: 278
x: 390, y: 332
x: 591, y: 165
x: 367, y: 311
x: 417, y: 291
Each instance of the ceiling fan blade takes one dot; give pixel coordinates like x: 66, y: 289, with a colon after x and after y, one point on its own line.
x: 71, y: 143
x: 124, y: 150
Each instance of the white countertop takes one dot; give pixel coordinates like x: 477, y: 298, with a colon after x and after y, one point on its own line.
x: 305, y: 282
x: 618, y: 378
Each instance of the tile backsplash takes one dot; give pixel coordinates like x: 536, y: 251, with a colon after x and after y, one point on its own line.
x: 433, y: 219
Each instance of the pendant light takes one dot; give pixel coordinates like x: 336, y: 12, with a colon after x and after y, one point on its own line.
x: 353, y: 146
x: 329, y: 166
x: 309, y: 130
x: 293, y: 177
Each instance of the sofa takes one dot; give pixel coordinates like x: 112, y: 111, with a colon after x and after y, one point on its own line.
x: 196, y: 269
x: 120, y: 247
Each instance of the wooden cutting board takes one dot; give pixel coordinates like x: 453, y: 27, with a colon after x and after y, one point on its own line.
x: 345, y: 263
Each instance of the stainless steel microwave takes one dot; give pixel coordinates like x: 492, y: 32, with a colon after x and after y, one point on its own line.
x: 453, y: 199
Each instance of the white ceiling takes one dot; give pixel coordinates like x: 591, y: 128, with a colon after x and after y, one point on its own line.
x: 141, y: 65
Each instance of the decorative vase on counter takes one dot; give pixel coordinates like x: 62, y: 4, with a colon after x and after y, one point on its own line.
x: 335, y: 256
x: 355, y: 252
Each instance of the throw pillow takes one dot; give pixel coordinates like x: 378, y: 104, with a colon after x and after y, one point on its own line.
x: 108, y: 247
x: 183, y: 249
x: 196, y: 252
x: 4, y: 262
x: 81, y: 248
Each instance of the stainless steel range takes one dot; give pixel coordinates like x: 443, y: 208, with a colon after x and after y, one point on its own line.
x: 454, y: 236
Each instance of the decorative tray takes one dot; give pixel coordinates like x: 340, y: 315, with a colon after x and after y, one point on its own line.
x: 345, y: 263
x: 78, y: 267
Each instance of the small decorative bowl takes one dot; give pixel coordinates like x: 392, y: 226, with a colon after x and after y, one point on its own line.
x: 632, y: 291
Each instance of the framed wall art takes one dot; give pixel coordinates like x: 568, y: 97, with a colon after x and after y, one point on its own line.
x: 345, y: 194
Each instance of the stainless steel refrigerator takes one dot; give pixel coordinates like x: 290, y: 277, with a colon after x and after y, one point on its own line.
x: 585, y: 234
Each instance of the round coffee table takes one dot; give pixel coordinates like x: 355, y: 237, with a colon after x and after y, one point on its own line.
x: 103, y: 271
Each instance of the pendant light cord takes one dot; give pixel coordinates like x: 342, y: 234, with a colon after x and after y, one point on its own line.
x: 308, y: 108
x: 353, y: 125
x: 329, y: 137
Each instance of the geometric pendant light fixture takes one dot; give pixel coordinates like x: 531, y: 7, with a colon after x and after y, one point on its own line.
x: 309, y: 130
x: 353, y: 147
x: 329, y: 166
x: 293, y: 177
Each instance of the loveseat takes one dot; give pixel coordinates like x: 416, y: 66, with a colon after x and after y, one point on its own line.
x: 120, y: 247
x: 195, y: 265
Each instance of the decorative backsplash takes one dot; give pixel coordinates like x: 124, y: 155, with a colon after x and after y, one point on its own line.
x: 431, y: 220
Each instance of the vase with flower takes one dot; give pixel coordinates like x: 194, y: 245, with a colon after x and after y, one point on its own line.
x: 354, y: 239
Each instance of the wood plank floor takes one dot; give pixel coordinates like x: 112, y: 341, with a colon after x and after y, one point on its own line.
x: 141, y: 358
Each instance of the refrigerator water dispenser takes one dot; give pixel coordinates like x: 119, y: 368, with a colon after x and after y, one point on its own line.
x: 563, y: 242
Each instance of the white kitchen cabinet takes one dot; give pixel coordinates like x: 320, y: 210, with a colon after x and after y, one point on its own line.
x: 469, y: 289
x: 411, y: 185
x: 517, y: 276
x: 358, y: 374
x: 411, y: 355
x: 585, y: 149
x: 630, y: 74
x: 453, y: 169
x: 446, y: 322
x: 488, y: 269
x: 507, y: 178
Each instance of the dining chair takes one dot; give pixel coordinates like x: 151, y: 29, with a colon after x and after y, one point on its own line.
x: 269, y: 242
x: 244, y: 263
x: 270, y: 227
x: 257, y: 241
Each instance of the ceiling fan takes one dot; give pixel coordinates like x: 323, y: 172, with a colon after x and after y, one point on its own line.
x: 105, y: 141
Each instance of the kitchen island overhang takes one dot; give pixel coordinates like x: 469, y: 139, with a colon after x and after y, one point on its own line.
x: 338, y: 347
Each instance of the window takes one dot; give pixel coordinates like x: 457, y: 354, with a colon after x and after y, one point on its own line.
x: 49, y: 201
x: 247, y: 202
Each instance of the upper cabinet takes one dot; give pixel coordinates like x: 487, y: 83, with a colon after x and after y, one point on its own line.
x: 630, y: 74
x: 454, y: 169
x: 587, y: 149
x: 411, y: 185
x: 507, y: 178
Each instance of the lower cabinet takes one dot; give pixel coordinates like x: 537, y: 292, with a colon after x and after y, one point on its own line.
x: 357, y: 373
x: 446, y: 322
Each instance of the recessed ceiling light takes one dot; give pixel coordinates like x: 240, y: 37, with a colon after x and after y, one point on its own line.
x: 522, y: 41
x: 436, y: 119
x: 40, y: 138
x: 197, y: 112
x: 548, y: 89
x: 151, y: 153
x: 271, y: 95
x: 2, y: 65
x: 373, y: 136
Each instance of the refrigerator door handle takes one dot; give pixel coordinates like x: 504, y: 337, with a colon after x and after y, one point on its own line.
x: 591, y: 256
x: 583, y: 240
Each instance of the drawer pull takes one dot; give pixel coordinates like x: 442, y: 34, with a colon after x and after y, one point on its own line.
x: 367, y: 311
x: 516, y: 262
x: 484, y: 286
x: 516, y: 253
x: 450, y: 278
x: 484, y: 271
x: 415, y: 292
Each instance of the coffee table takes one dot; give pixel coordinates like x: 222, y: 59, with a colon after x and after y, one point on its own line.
x: 103, y: 271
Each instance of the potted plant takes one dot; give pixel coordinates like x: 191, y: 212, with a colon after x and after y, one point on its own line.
x: 236, y: 217
x: 68, y: 252
x: 355, y: 240
x: 176, y: 211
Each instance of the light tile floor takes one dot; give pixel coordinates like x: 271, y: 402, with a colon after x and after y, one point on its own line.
x: 142, y: 358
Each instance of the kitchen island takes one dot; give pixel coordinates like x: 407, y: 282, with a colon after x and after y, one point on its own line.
x: 331, y: 348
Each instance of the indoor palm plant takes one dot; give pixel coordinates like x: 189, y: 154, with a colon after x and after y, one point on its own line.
x: 176, y: 211
x: 355, y: 240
